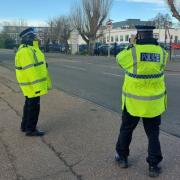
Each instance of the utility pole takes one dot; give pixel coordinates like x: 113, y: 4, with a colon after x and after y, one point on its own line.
x: 51, y: 32
x: 109, y: 26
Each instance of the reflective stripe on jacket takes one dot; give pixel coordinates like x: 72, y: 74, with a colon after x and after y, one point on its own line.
x: 31, y: 71
x: 144, y: 92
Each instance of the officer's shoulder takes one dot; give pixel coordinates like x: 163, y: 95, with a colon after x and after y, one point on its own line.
x: 23, y: 49
x: 130, y: 46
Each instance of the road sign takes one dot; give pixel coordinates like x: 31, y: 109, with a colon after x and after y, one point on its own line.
x: 109, y: 23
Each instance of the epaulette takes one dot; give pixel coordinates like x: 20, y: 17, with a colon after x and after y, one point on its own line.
x: 130, y: 46
x: 24, y: 45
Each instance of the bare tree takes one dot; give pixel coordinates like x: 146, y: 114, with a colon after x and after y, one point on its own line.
x: 88, y: 17
x: 175, y: 8
x: 60, y: 30
x: 63, y: 30
x: 51, y: 36
x: 162, y: 21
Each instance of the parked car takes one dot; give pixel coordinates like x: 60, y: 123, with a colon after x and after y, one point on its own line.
x: 54, y: 47
x: 83, y: 48
x: 103, y: 49
x: 175, y: 46
x: 115, y: 49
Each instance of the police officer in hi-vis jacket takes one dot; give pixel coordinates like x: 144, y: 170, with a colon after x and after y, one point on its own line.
x: 143, y: 96
x: 33, y: 78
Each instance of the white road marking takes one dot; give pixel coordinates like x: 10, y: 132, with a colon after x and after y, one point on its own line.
x: 172, y: 74
x: 108, y: 66
x: 67, y: 60
x: 74, y: 67
x: 111, y: 74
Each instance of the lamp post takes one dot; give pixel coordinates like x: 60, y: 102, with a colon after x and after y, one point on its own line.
x: 109, y: 26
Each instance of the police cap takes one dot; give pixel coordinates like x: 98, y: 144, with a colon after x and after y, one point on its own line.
x: 28, y: 31
x: 144, y: 28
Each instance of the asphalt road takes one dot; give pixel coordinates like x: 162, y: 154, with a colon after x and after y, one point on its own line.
x: 99, y: 79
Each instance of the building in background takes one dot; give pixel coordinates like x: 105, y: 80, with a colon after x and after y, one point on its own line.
x: 130, y: 24
x: 14, y: 31
x: 120, y: 33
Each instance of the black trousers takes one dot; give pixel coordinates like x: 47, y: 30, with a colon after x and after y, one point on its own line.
x: 151, y: 126
x: 30, y: 114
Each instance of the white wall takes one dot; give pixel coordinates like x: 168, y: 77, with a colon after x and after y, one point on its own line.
x: 173, y: 32
x: 160, y: 33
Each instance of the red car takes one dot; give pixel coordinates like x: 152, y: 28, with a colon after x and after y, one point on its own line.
x: 175, y: 46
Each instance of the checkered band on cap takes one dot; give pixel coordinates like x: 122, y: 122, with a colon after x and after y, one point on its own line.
x: 27, y: 32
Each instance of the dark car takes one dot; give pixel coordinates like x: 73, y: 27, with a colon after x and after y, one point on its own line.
x: 115, y: 49
x: 103, y: 49
x: 54, y: 47
x: 83, y: 48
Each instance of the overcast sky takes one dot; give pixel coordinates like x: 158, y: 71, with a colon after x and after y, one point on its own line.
x: 37, y: 12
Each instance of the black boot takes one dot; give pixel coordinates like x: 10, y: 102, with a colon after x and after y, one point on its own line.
x: 122, y: 161
x: 154, y: 171
x: 36, y: 132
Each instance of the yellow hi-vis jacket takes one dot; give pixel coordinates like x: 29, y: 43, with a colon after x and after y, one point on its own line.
x: 31, y: 71
x: 144, y: 91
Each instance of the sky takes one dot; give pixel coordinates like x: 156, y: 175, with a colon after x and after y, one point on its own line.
x: 38, y: 12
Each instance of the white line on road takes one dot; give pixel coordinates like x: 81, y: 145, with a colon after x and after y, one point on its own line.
x: 117, y: 75
x: 108, y: 66
x: 172, y: 74
x: 64, y: 60
x: 74, y: 67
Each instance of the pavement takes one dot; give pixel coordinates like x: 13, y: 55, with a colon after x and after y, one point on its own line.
x: 80, y: 140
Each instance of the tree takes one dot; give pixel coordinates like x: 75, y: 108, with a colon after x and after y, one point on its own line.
x: 9, y: 43
x: 60, y: 30
x: 88, y: 17
x: 6, y: 41
x: 175, y: 8
x: 161, y: 21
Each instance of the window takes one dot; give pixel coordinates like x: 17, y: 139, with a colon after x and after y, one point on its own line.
x: 176, y: 39
x: 121, y: 38
x: 107, y: 38
x: 112, y: 38
x: 127, y: 38
x: 116, y: 38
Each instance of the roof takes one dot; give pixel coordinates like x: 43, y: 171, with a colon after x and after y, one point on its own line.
x: 130, y: 23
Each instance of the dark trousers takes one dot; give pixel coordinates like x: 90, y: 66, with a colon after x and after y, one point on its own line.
x: 151, y: 126
x: 30, y: 114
